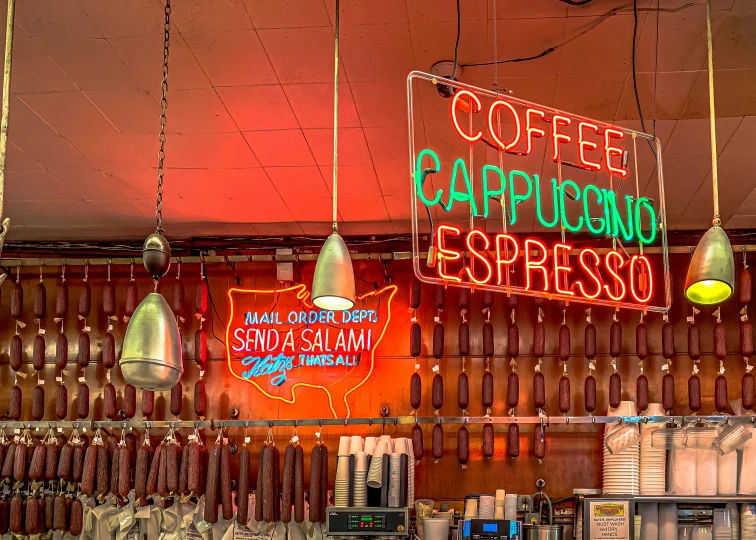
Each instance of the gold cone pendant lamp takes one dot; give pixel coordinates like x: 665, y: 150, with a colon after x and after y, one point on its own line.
x: 152, y: 351
x: 333, y: 282
x: 711, y: 274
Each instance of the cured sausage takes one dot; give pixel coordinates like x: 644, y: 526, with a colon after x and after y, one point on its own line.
x: 103, y: 470
x: 173, y: 467
x: 668, y: 340
x: 109, y: 406
x: 65, y: 461
x: 31, y: 514
x: 539, y: 441
x: 108, y: 350
x: 89, y: 471
x: 721, y: 400
x: 61, y: 300
x: 85, y: 300
x: 200, y: 398
x: 38, y: 462
x: 148, y: 403
x: 153, y: 475
x: 463, y: 445
x: 143, y: 458
x: 129, y: 401
x: 315, y: 486
x: 539, y: 340
x: 178, y: 297
x: 287, y: 490
x: 108, y: 299
x: 200, y: 347
x: 415, y: 340
x: 51, y: 460
x: 227, y: 505
x: 299, y: 484
x: 19, y: 463
x: 488, y: 440
x: 720, y: 346
x: 61, y: 351
x: 17, y: 301
x: 440, y: 297
x: 415, y: 390
x: 77, y: 465
x: 417, y: 442
x: 115, y: 468
x: 38, y: 352
x: 242, y: 493
x: 40, y: 301
x: 488, y: 340
x: 694, y: 393
x: 668, y: 392
x: 132, y: 298
x: 615, y: 339
x: 10, y: 460
x: 615, y: 390
x: 14, y: 406
x: 38, y: 403
x: 49, y: 500
x: 184, y: 471
x: 513, y: 390
x: 162, y: 470
x: 744, y: 286
x: 463, y: 391
x: 83, y: 353
x: 748, y: 392
x: 464, y: 298
x: 488, y: 390
x: 195, y: 474
x: 124, y: 471
x: 488, y: 299
x: 513, y: 440
x: 260, y: 474
x: 438, y: 341
x: 59, y: 513
x: 16, y: 358
x: 641, y: 393
x: 590, y: 341
x: 415, y: 291
x: 564, y: 343
x: 694, y: 342
x: 539, y: 391
x: 746, y: 338
x: 564, y: 394
x: 17, y: 514
x: 177, y: 398
x: 77, y: 518
x: 641, y: 341
x: 513, y: 341
x: 437, y: 391
x: 463, y: 339
x: 437, y: 445
x: 323, y: 485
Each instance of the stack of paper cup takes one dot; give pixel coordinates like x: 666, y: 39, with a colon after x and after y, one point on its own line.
x: 668, y: 521
x: 394, y: 481
x: 436, y: 529
x: 732, y: 508
x: 727, y: 474
x: 649, y: 514
x: 486, y: 507
x: 653, y: 461
x: 344, y: 442
x: 355, y: 444
x: 359, y: 488
x: 510, y: 506
x: 370, y: 443
x: 499, y: 504
x: 471, y: 508
x: 375, y: 473
x: 400, y: 445
x: 341, y: 492
x: 389, y: 442
x: 410, y: 474
x: 706, y: 472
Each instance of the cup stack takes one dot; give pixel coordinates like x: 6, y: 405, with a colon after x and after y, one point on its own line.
x: 706, y: 471
x: 359, y: 493
x: 727, y: 474
x: 344, y: 442
x: 471, y: 508
x: 341, y: 490
x: 400, y: 445
x: 732, y: 508
x: 486, y: 507
x: 499, y: 504
x: 355, y: 445
x: 653, y: 461
x: 510, y: 506
x: 410, y: 474
x: 722, y: 525
x: 622, y: 469
x: 747, y: 521
x: 370, y: 443
x: 375, y: 473
x: 394, y: 481
x: 649, y: 514
x: 668, y: 521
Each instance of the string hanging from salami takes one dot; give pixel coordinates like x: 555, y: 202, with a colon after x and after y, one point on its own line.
x: 463, y: 344
x: 641, y: 351
x: 615, y: 349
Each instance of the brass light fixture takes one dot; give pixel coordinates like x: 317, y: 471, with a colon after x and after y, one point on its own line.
x: 152, y: 352
x: 711, y: 274
x: 333, y: 282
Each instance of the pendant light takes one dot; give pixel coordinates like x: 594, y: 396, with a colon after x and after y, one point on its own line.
x: 333, y: 282
x: 711, y: 274
x: 151, y: 357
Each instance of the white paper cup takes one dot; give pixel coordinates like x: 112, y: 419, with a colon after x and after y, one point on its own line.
x: 355, y: 444
x: 344, y: 441
x: 471, y: 508
x: 370, y: 443
x: 380, y: 449
x: 436, y: 529
x: 499, y: 512
x: 360, y: 462
x: 400, y: 445
x: 342, y: 468
x: 500, y: 495
x: 387, y: 440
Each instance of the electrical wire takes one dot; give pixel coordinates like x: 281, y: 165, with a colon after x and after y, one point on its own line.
x: 656, y: 62
x: 635, y: 75
x: 456, y: 45
x: 614, y: 11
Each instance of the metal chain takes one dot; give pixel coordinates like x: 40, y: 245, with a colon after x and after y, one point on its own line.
x: 163, y: 120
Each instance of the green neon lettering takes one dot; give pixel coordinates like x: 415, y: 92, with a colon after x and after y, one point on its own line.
x: 514, y: 198
x: 539, y: 213
x: 588, y: 220
x: 487, y: 193
x: 419, y: 179
x: 618, y: 227
x: 565, y: 222
x: 645, y: 202
x: 461, y: 196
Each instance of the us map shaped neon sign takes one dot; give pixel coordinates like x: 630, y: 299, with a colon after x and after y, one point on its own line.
x: 596, y: 194
x: 277, y: 341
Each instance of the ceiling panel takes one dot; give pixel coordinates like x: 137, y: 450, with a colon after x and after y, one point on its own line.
x: 298, y: 182
x: 18, y: 160
x: 595, y: 96
x: 287, y: 13
x: 280, y: 148
x: 222, y: 150
x: 734, y: 93
x: 54, y: 19
x: 35, y: 186
x: 300, y: 55
x: 445, y: 11
x: 199, y: 111
x: 381, y: 103
x: 227, y: 184
x: 354, y: 180
x: 134, y: 18
x: 353, y: 149
x: 256, y: 108
x: 57, y: 108
x: 33, y: 70
x: 94, y: 185
x: 130, y: 111
x: 360, y: 43
x: 672, y: 92
x: 211, y: 15
x: 363, y: 209
x: 308, y: 101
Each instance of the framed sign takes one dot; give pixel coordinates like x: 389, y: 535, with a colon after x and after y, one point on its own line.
x: 280, y: 343
x: 526, y: 199
x: 609, y: 518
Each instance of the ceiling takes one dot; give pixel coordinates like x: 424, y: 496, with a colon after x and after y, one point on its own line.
x: 249, y: 142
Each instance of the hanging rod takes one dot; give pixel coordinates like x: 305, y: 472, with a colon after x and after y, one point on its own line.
x: 377, y: 256
x: 376, y: 421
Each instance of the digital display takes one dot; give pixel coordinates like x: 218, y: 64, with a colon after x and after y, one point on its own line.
x: 490, y: 528
x: 370, y: 522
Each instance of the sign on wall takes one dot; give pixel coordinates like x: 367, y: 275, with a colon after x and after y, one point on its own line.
x: 492, y: 175
x: 280, y: 343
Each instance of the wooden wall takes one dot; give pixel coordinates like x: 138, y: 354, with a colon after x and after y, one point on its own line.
x: 573, y: 453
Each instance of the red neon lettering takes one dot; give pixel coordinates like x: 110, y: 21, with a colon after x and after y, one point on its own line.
x: 559, y: 269
x: 495, y: 105
x: 613, y: 271
x: 445, y: 254
x: 530, y: 130
x: 480, y: 256
x: 583, y: 145
x: 501, y: 260
x: 557, y: 121
x: 649, y: 281
x: 473, y: 99
x: 535, y: 265
x: 588, y: 270
x: 611, y: 151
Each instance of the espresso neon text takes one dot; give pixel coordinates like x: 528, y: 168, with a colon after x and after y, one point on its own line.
x: 554, y: 270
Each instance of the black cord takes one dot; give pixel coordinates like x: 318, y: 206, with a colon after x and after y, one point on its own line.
x: 214, y: 310
x: 635, y: 76
x: 456, y: 45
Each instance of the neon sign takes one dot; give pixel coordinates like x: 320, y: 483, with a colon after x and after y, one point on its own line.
x: 588, y: 184
x: 283, y: 345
